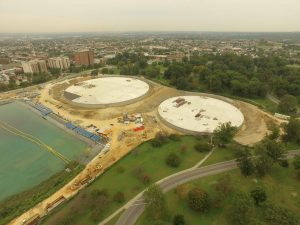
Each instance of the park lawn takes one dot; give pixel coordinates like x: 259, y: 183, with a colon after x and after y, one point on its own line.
x: 281, y: 186
x: 114, y: 220
x: 292, y: 146
x: 120, y: 177
x: 220, y: 155
x: 267, y: 104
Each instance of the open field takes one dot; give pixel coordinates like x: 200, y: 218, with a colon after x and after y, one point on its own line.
x: 24, y: 163
x: 281, y: 180
x: 121, y: 177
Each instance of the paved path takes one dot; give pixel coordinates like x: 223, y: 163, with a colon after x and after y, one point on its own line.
x: 135, y: 207
x: 273, y: 98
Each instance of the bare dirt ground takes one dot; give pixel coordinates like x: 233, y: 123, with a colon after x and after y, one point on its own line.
x: 255, y: 126
x: 252, y: 131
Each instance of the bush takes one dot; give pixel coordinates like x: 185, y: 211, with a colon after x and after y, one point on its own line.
x: 203, y: 147
x: 298, y: 174
x: 119, y: 197
x: 173, y: 160
x: 284, y: 163
x: 277, y: 215
x: 242, y: 210
x: 159, y: 140
x: 174, y: 137
x: 141, y: 174
x: 183, y: 149
x: 182, y: 191
x: 104, y: 71
x: 198, y: 200
x: 259, y: 195
x: 145, y: 178
x: 296, y: 162
x: 178, y: 220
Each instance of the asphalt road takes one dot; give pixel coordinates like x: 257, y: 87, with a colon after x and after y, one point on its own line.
x: 136, y: 206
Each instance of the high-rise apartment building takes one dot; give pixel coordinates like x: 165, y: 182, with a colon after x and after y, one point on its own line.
x: 35, y: 66
x: 85, y: 57
x: 62, y: 62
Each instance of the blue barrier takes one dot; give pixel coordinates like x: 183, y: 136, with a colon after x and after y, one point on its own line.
x: 43, y: 109
x: 83, y: 132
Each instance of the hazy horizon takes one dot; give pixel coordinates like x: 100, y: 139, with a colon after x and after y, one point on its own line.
x: 36, y: 16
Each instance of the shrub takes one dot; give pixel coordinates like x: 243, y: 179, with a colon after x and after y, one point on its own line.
x: 242, y: 210
x: 278, y: 215
x: 173, y: 160
x: 284, y: 163
x: 159, y: 140
x: 119, y: 197
x: 182, y: 191
x: 203, y: 147
x: 296, y: 162
x: 174, y: 137
x: 259, y: 195
x: 178, y: 220
x: 145, y: 178
x: 198, y: 200
x: 183, y: 149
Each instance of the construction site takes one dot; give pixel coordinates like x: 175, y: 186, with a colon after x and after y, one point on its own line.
x: 199, y: 114
x: 108, y: 91
x: 155, y: 108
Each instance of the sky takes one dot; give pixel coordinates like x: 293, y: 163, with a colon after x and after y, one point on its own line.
x: 145, y: 15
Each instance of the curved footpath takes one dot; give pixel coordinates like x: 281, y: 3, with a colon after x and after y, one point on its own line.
x: 135, y: 207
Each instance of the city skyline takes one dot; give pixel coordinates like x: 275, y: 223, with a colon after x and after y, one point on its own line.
x: 18, y: 16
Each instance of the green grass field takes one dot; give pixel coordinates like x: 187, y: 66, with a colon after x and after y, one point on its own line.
x: 281, y: 186
x: 120, y: 177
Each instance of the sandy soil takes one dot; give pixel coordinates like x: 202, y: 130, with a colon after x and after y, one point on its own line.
x: 252, y: 131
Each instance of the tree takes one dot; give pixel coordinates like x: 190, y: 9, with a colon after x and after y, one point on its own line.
x: 292, y: 131
x: 224, y: 134
x: 275, y: 132
x: 95, y: 72
x: 271, y: 148
x: 159, y: 140
x: 259, y: 195
x: 223, y: 186
x: 104, y: 71
x: 296, y: 162
x: 155, y: 202
x: 174, y: 137
x: 263, y: 165
x: 245, y: 162
x: 198, y: 200
x: 203, y: 147
x: 178, y: 220
x: 119, y: 197
x: 173, y: 160
x: 242, y: 209
x: 288, y: 104
x: 277, y: 215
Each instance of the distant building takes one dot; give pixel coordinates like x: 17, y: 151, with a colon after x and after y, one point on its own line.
x: 35, y: 66
x: 62, y: 62
x: 85, y: 57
